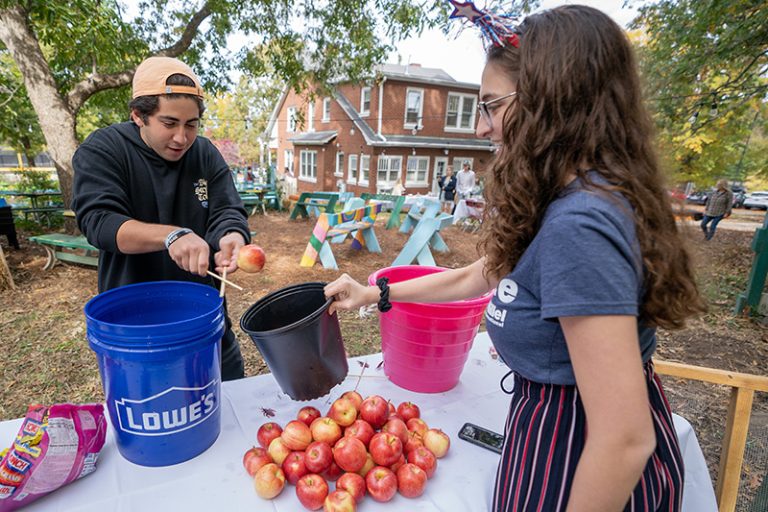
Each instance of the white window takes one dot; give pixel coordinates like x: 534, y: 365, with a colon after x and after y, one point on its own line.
x: 416, y: 171
x: 326, y: 109
x: 365, y: 169
x: 458, y: 163
x: 388, y: 171
x: 311, y: 117
x: 339, y: 164
x: 288, y: 160
x: 352, y: 170
x: 308, y: 166
x: 460, y: 112
x: 291, y: 119
x: 413, y: 107
x: 365, y: 101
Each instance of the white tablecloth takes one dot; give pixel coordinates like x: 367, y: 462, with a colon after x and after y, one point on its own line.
x: 216, y: 480
x: 463, y: 210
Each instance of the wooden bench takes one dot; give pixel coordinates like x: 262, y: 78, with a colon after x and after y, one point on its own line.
x: 426, y: 222
x: 62, y: 247
x: 39, y: 213
x: 397, y: 206
x: 357, y: 222
x: 314, y: 200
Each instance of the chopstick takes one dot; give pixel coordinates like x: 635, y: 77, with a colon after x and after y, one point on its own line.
x: 223, y: 280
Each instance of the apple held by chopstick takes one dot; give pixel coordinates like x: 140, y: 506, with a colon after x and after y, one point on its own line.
x: 251, y: 258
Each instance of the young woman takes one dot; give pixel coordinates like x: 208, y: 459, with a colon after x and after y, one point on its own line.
x: 583, y: 253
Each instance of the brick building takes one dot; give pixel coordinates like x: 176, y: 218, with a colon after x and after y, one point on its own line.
x: 410, y: 123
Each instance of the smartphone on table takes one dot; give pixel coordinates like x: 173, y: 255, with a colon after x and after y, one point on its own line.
x: 483, y: 437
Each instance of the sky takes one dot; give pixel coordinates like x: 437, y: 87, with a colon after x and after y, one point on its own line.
x: 463, y: 58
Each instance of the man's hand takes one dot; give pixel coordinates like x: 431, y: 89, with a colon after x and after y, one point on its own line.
x: 229, y: 246
x: 190, y: 252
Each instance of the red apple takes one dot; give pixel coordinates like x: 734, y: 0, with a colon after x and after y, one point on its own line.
x: 398, y: 463
x: 349, y: 453
x: 375, y: 410
x: 343, y: 411
x: 437, y: 441
x: 392, y: 409
x: 396, y: 427
x: 385, y: 448
x: 334, y: 471
x: 296, y: 435
x: 414, y: 441
x: 318, y: 457
x: 369, y: 464
x: 278, y: 451
x: 408, y: 410
x: 411, y: 480
x: 354, y: 484
x: 326, y: 430
x: 294, y: 467
x: 267, y: 432
x: 356, y: 398
x: 269, y: 481
x: 312, y: 489
x: 251, y: 258
x: 417, y: 425
x: 425, y: 459
x: 339, y: 501
x: 381, y: 483
x: 254, y: 459
x: 308, y: 414
x: 362, y: 430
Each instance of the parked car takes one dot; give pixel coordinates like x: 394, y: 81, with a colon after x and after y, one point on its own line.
x: 738, y: 199
x: 699, y: 197
x: 757, y: 200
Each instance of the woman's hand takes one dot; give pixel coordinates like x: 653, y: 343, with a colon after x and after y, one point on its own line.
x: 349, y: 294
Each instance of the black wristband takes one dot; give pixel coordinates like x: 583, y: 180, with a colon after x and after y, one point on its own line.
x: 175, y: 235
x: 384, y: 305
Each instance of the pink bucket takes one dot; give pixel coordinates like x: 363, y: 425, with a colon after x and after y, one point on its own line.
x: 425, y: 346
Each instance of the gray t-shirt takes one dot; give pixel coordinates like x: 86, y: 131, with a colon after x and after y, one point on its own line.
x: 585, y: 260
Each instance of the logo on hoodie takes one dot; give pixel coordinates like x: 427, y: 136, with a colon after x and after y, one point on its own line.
x: 201, y: 191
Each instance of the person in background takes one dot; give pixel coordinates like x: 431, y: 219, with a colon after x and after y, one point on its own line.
x: 447, y: 184
x: 465, y: 182
x: 582, y: 252
x: 717, y: 207
x: 398, y: 189
x: 157, y: 200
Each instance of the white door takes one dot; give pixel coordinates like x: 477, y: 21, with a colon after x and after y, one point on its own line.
x: 441, y: 162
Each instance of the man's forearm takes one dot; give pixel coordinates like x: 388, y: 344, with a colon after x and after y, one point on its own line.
x: 136, y: 237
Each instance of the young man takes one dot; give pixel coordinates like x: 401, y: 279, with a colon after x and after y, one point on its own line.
x: 465, y: 182
x: 159, y: 202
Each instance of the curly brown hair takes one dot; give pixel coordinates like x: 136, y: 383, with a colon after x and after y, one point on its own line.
x: 579, y: 102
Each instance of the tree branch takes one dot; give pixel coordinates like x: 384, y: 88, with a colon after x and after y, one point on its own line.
x: 98, y: 82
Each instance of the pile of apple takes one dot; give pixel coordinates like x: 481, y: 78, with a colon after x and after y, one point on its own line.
x: 366, y: 446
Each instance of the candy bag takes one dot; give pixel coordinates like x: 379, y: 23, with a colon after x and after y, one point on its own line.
x: 56, y: 445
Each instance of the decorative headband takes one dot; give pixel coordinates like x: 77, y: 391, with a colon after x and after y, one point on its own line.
x: 497, y: 29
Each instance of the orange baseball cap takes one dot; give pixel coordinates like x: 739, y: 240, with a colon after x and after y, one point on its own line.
x: 151, y: 75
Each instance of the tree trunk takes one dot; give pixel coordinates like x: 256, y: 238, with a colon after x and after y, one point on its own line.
x: 6, y: 279
x: 56, y: 120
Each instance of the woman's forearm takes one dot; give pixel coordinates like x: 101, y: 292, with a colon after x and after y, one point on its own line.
x: 457, y: 284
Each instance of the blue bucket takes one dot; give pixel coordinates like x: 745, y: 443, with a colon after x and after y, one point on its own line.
x: 158, y: 345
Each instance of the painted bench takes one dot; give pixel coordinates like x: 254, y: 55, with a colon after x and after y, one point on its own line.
x: 397, y: 206
x: 426, y: 222
x: 314, y: 200
x: 63, y: 247
x: 356, y: 222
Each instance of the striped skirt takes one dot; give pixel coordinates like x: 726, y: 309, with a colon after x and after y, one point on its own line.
x: 545, y: 434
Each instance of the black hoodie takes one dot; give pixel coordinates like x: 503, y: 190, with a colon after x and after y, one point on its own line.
x: 119, y: 178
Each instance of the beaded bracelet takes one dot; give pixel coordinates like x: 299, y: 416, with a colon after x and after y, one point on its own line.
x: 384, y: 305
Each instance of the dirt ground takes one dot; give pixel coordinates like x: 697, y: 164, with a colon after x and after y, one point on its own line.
x: 46, y: 358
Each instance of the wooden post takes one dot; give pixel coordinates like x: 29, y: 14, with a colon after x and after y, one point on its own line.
x: 6, y: 279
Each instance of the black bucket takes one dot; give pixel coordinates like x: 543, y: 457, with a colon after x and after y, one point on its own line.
x: 298, y: 339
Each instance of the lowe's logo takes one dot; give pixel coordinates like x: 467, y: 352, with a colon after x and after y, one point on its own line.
x: 168, y: 412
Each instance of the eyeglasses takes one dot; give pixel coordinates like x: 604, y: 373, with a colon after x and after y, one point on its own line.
x: 482, y: 107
